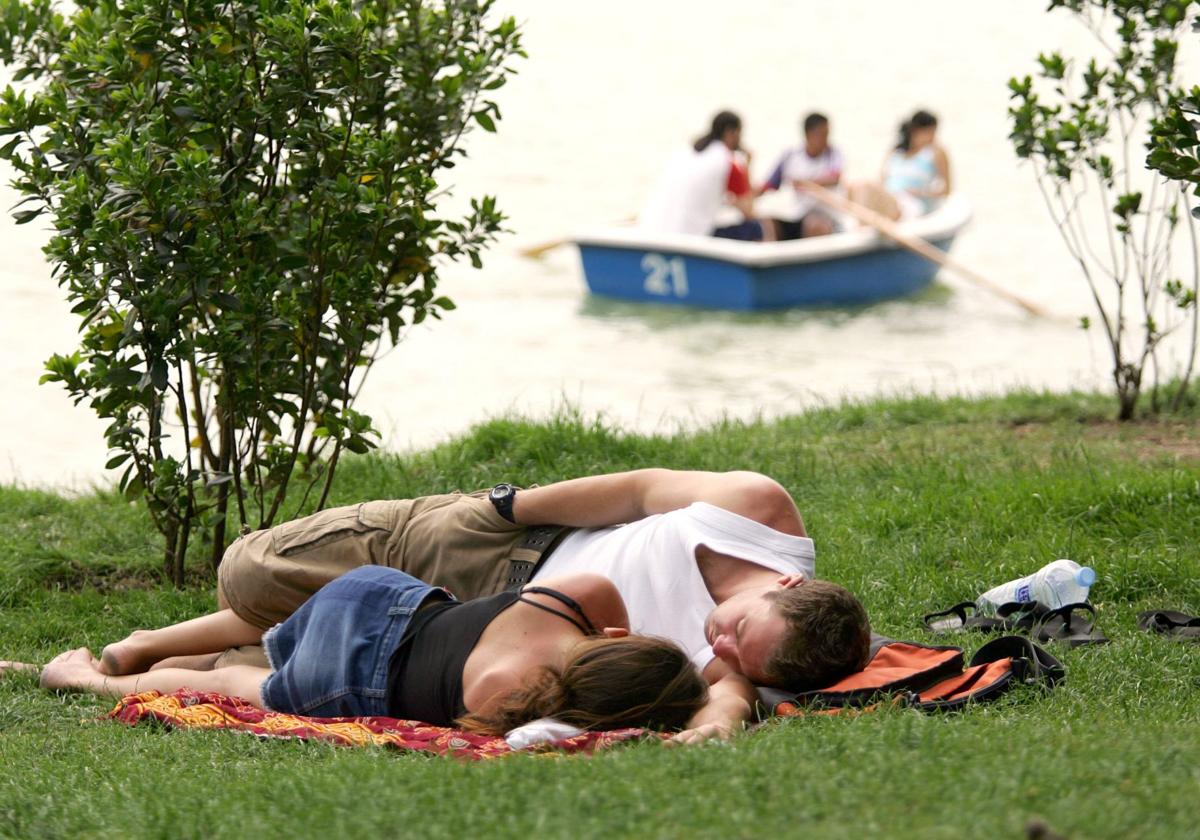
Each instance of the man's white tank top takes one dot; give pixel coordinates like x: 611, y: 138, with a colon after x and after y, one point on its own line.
x: 653, y: 564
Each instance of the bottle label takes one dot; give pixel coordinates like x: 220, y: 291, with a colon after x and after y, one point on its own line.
x: 1024, y: 594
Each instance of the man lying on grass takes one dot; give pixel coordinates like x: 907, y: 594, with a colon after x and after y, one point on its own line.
x: 711, y: 561
x: 378, y: 642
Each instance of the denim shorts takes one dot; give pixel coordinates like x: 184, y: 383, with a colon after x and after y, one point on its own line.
x: 330, y: 658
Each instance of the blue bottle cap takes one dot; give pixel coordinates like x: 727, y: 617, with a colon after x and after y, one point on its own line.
x: 1086, y: 576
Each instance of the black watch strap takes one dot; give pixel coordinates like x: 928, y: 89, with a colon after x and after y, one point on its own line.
x: 502, y: 497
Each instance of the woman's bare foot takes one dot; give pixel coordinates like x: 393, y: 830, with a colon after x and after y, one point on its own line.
x: 127, y: 656
x: 75, y: 669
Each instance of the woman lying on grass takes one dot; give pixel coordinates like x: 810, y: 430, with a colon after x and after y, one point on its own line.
x: 379, y: 642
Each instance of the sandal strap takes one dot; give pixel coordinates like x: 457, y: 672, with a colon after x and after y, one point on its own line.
x: 959, y: 610
x: 1021, y: 615
x: 1065, y: 612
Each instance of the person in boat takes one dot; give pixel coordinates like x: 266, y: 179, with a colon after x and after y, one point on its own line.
x: 814, y: 161
x: 916, y: 175
x: 699, y: 182
x: 719, y: 563
x: 378, y: 642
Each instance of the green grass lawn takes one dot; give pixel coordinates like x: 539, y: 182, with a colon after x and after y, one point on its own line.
x: 913, y: 504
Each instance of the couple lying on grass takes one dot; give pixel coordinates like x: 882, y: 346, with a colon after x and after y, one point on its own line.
x: 344, y: 612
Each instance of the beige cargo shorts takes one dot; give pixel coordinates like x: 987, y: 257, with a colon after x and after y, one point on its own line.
x: 456, y: 540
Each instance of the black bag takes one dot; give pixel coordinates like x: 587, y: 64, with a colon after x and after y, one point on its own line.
x: 931, y: 678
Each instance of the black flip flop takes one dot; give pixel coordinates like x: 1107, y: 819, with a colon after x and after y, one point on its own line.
x: 1177, y: 626
x: 956, y: 619
x: 1062, y: 625
x: 1022, y: 616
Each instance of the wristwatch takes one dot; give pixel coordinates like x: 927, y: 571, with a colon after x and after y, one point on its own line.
x: 502, y: 497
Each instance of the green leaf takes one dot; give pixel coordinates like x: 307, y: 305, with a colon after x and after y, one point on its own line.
x: 226, y: 301
x: 485, y: 120
x: 158, y: 375
x: 134, y: 487
x: 1128, y: 205
x: 358, y: 446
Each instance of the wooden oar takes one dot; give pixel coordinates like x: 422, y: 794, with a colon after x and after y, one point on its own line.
x: 535, y: 252
x: 915, y: 244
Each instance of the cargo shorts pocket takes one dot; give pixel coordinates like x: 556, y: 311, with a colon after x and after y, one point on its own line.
x: 329, y: 526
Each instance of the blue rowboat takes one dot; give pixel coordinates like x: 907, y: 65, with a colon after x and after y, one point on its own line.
x: 855, y: 267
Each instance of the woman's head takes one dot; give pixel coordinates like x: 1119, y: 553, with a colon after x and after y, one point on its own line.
x: 726, y: 128
x: 917, y: 132
x: 606, y: 684
x: 630, y: 681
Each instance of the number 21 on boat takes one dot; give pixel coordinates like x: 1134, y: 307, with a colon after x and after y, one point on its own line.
x: 665, y: 277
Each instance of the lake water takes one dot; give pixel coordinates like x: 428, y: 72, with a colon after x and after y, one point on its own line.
x: 609, y: 92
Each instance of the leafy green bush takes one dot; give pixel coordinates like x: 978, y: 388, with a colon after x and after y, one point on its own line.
x: 1175, y: 153
x: 1080, y: 126
x: 243, y: 197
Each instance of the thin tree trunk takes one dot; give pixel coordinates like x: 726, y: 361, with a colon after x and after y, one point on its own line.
x: 1129, y: 389
x: 218, y: 535
x: 170, y: 533
x: 181, y: 552
x: 224, y: 462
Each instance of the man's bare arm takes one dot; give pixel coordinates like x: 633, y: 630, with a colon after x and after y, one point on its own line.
x: 601, y: 500
x: 830, y: 180
x: 730, y: 705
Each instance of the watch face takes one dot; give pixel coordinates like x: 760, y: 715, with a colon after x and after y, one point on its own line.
x: 500, y: 491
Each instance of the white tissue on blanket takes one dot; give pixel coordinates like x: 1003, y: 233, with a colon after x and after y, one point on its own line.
x: 542, y: 729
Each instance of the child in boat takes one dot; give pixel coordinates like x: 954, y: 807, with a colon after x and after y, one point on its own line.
x: 916, y: 175
x: 813, y: 161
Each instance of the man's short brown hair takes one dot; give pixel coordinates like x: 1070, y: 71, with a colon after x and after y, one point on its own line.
x: 829, y: 636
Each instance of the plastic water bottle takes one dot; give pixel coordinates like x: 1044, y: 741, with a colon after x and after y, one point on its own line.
x: 1054, y: 585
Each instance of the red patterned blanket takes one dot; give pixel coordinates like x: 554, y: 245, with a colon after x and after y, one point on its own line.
x: 187, y: 709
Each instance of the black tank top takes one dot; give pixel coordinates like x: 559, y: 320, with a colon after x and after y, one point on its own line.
x: 426, y: 672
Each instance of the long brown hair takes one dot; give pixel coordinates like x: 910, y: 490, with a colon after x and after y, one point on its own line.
x: 604, y: 684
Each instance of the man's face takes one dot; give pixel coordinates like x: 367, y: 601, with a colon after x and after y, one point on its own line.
x: 744, y: 631
x: 816, y: 140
